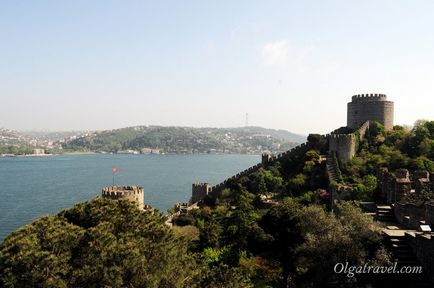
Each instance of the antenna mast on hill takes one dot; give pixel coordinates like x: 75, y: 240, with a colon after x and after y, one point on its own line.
x: 247, y: 119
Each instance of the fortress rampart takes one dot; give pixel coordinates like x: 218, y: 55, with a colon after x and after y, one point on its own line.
x: 267, y: 159
x: 200, y: 190
x: 411, y: 195
x: 130, y: 193
x: 413, y: 205
x: 363, y: 109
x: 423, y: 247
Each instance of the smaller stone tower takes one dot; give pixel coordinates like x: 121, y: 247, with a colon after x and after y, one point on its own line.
x: 370, y: 107
x: 199, y: 191
x: 131, y: 193
x: 266, y: 157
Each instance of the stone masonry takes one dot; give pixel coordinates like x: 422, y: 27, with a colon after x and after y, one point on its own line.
x: 131, y: 193
x: 412, y: 199
x: 199, y: 191
x: 345, y: 145
x: 362, y: 111
x: 370, y: 107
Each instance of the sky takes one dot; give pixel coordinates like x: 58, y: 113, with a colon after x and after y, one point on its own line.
x: 294, y: 65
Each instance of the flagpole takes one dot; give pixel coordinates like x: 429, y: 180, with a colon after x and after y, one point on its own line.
x: 114, y: 171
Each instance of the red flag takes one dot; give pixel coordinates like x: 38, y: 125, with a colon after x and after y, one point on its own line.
x: 115, y: 170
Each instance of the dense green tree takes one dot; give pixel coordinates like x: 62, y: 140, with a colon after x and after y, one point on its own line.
x: 309, y: 241
x: 16, y: 149
x: 297, y: 182
x: 397, y: 148
x: 281, y: 223
x: 101, y: 243
x: 242, y: 224
x: 350, y: 236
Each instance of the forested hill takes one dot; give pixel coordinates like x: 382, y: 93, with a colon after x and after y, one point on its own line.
x: 187, y: 140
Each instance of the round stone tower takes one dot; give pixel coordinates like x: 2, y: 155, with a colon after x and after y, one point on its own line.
x: 370, y: 107
x: 130, y: 193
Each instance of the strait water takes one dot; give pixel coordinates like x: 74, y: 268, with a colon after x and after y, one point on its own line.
x: 31, y: 187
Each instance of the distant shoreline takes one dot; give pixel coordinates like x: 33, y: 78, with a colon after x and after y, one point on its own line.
x: 96, y: 153
x: 77, y: 153
x: 45, y: 155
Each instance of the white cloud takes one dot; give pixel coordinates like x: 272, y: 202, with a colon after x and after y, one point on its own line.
x: 275, y: 53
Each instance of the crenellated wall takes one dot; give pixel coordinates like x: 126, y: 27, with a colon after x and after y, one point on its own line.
x: 344, y: 146
x: 412, y: 199
x: 410, y: 195
x: 368, y: 97
x: 363, y: 110
x: 410, y: 214
x: 429, y: 214
x: 267, y: 159
x: 200, y: 190
x: 363, y: 129
x: 423, y: 247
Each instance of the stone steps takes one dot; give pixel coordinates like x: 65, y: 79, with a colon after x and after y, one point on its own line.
x: 385, y: 213
x: 402, y: 254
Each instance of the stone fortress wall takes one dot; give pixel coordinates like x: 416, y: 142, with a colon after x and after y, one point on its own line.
x: 363, y: 111
x: 342, y: 147
x: 366, y: 107
x: 200, y: 190
x: 267, y: 159
x: 410, y: 197
x: 397, y: 189
x: 131, y: 193
x: 370, y: 107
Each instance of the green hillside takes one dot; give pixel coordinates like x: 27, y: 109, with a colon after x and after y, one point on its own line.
x: 187, y: 140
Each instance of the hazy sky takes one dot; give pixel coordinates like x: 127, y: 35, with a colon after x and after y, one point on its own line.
x: 289, y: 64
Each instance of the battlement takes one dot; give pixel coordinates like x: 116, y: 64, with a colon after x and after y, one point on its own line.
x: 200, y: 185
x: 369, y: 97
x: 130, y: 193
x: 402, y: 174
x: 403, y: 185
x: 342, y: 136
x: 122, y: 189
x: 200, y: 190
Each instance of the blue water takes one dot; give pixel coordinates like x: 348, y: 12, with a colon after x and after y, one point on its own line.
x: 31, y: 187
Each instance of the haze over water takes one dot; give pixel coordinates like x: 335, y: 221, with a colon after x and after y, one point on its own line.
x: 31, y: 187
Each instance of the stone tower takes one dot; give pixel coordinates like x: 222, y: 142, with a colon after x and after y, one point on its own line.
x: 370, y: 107
x: 130, y: 193
x: 199, y: 191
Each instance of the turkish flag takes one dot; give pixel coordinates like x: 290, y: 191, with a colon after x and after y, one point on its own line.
x: 115, y: 170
